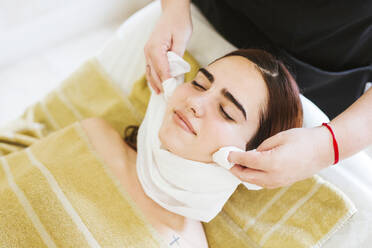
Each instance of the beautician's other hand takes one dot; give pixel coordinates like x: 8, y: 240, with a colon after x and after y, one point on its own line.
x: 285, y: 158
x: 171, y: 33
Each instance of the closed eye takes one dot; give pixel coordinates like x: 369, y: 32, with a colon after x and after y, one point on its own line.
x: 198, y: 85
x: 222, y: 111
x: 226, y: 116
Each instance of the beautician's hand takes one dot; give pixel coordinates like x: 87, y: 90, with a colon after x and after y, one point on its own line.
x: 285, y: 158
x: 171, y: 33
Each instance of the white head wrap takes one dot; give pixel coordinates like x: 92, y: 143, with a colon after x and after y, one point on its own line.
x: 193, y: 189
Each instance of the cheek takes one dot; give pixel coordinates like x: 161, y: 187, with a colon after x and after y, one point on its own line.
x: 219, y: 134
x: 181, y: 92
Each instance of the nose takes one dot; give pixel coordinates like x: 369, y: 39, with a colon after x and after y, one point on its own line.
x: 196, y: 104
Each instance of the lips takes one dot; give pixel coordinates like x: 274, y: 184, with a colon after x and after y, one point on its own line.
x: 185, y: 122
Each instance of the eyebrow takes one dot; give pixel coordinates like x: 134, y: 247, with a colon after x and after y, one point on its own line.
x: 224, y: 92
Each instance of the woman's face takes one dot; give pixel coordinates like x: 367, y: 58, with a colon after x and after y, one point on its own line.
x: 222, y: 104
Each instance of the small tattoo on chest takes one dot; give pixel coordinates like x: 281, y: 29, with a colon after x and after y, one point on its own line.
x: 175, y: 240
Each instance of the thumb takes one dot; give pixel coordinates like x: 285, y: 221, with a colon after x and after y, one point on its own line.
x: 247, y: 159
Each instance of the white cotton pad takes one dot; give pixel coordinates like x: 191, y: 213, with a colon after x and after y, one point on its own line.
x: 178, y: 67
x: 220, y: 158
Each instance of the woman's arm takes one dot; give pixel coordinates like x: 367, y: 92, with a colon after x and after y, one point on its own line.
x: 353, y: 128
x: 181, y: 5
x: 107, y: 142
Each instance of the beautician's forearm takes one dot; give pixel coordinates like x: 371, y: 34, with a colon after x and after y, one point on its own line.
x: 181, y: 5
x: 353, y: 127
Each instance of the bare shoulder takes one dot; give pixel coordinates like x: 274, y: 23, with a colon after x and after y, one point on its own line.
x: 99, y: 130
x: 104, y: 138
x: 96, y: 124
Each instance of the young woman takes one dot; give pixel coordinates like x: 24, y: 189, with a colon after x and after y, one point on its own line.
x: 238, y: 100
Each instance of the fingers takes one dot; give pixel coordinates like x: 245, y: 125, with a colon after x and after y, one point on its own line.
x: 160, y: 62
x: 158, y: 70
x: 249, y: 175
x: 257, y: 177
x: 153, y: 78
x: 149, y: 80
x: 251, y: 159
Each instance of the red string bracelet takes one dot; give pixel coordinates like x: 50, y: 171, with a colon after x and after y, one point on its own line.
x: 335, y: 146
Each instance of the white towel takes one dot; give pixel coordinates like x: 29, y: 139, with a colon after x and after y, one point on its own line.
x: 189, y: 188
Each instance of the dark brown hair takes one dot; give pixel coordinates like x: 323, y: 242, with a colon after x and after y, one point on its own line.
x: 282, y: 111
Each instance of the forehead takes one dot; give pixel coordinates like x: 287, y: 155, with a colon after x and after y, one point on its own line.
x: 242, y: 78
x: 235, y: 69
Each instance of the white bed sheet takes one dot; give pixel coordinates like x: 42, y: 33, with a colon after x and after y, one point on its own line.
x: 123, y: 59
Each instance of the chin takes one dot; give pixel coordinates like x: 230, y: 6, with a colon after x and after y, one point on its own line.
x: 172, y: 137
x: 171, y: 141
